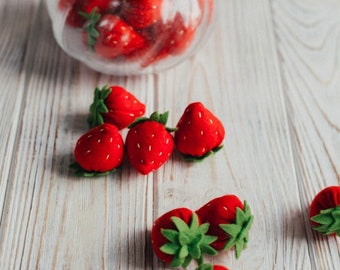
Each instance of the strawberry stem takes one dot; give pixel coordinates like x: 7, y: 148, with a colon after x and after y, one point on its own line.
x: 329, y: 220
x: 187, y: 242
x: 239, y: 231
x: 90, y: 27
x: 157, y: 117
x: 98, y: 107
x: 80, y: 172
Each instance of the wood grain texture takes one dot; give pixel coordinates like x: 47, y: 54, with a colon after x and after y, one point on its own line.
x: 269, y: 71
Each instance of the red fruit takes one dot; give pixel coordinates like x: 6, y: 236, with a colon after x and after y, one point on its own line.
x: 116, y: 106
x: 199, y: 132
x: 141, y: 13
x: 178, y: 237
x: 325, y: 211
x: 100, y: 150
x: 230, y: 220
x: 109, y: 36
x: 219, y: 267
x: 149, y: 143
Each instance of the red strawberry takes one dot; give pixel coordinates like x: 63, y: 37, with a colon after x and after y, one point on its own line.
x: 177, y: 238
x: 141, y: 13
x: 149, y: 143
x: 110, y: 36
x: 99, y: 151
x: 116, y: 106
x: 325, y: 211
x: 230, y: 220
x: 199, y: 132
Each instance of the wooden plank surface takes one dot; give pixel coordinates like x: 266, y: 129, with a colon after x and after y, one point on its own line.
x: 270, y: 71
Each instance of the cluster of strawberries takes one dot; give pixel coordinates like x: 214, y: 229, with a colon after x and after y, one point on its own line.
x: 149, y: 143
x: 181, y: 235
x: 135, y: 29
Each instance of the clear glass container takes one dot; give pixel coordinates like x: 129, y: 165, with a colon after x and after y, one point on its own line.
x: 126, y: 37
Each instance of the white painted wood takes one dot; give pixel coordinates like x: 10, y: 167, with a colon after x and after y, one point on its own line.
x: 269, y: 71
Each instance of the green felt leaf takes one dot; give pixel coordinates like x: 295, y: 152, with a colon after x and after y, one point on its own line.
x: 206, y: 249
x: 169, y: 248
x: 195, y: 251
x: 78, y: 171
x: 177, y: 262
x: 187, y: 261
x: 183, y: 252
x: 204, y: 228
x: 205, y: 266
x: 232, y: 229
x: 323, y: 219
x: 170, y: 235
x: 180, y: 224
x: 239, y: 231
x: 98, y: 107
x: 90, y: 27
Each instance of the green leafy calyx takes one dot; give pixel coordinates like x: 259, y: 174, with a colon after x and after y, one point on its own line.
x: 239, y: 231
x: 187, y: 242
x: 329, y: 220
x: 157, y: 117
x: 78, y: 171
x: 98, y: 107
x: 190, y: 158
x: 90, y: 27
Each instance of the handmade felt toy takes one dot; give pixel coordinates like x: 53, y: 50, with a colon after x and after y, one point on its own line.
x: 114, y: 105
x: 324, y: 211
x: 178, y: 238
x: 149, y: 143
x: 99, y: 151
x: 199, y: 132
x: 230, y: 221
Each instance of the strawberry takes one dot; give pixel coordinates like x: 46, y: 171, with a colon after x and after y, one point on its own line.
x: 230, y: 220
x: 149, y: 143
x: 109, y: 36
x: 98, y: 151
x: 116, y: 106
x: 199, y: 132
x: 178, y: 237
x: 141, y: 13
x: 325, y: 211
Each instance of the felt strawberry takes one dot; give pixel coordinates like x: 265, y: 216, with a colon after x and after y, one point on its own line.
x: 109, y: 36
x: 99, y: 151
x: 199, y: 132
x: 178, y: 237
x: 325, y: 211
x: 149, y: 143
x: 141, y: 13
x: 211, y: 267
x: 230, y: 220
x: 116, y: 106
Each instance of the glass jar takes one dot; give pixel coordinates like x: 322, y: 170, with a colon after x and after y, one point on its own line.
x: 126, y: 37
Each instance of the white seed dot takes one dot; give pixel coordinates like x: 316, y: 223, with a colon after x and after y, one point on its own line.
x: 202, y: 132
x: 203, y: 150
x: 99, y: 140
x: 88, y: 151
x: 152, y: 162
x: 107, y: 157
x: 167, y: 141
x: 225, y: 208
x: 184, y: 138
x: 160, y: 154
x: 211, y: 121
x: 138, y: 145
x: 199, y: 115
x: 89, y: 136
x: 153, y: 135
x: 132, y: 114
x: 111, y: 140
x: 189, y: 122
x: 118, y: 146
x: 150, y: 148
x: 102, y: 130
x: 142, y: 161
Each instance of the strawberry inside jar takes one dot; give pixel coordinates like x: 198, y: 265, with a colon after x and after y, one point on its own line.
x: 123, y: 37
